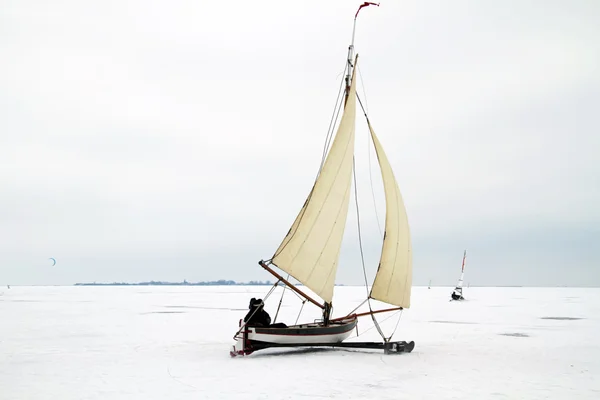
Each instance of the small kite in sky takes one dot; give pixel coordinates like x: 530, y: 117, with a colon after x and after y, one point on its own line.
x: 53, y: 260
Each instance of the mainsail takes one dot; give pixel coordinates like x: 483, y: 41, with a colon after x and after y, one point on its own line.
x: 393, y: 281
x: 311, y: 249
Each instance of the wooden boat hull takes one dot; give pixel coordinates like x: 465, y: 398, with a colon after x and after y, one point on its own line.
x: 308, y: 333
x: 302, y: 335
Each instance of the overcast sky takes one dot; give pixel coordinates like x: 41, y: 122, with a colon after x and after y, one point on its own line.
x: 173, y: 140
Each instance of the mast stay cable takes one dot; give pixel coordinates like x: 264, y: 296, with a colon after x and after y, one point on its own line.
x: 363, y: 262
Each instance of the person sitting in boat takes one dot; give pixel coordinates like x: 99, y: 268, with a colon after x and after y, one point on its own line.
x: 257, y: 316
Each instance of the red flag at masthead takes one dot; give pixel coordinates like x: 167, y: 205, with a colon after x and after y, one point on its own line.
x: 365, y: 4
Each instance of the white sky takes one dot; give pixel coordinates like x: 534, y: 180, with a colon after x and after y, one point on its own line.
x: 171, y: 140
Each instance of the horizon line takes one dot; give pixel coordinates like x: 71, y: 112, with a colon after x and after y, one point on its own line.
x: 263, y: 284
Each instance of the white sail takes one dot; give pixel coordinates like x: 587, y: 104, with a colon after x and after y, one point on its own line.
x: 311, y: 249
x: 462, y: 272
x: 458, y: 290
x: 460, y: 280
x: 393, y: 281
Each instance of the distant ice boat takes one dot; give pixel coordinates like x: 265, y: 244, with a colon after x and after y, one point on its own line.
x: 457, y: 294
x: 310, y: 250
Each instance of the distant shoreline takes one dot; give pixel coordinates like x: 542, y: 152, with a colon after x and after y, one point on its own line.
x: 221, y: 282
x: 268, y: 283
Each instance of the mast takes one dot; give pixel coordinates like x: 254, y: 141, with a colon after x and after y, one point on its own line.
x: 462, y: 270
x: 351, y: 50
x: 310, y: 250
x: 327, y: 307
x: 349, y: 61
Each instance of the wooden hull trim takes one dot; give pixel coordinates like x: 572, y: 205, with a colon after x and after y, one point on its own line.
x: 307, y: 329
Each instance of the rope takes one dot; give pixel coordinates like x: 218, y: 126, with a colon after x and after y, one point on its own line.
x: 362, y: 257
x: 281, y: 299
x: 298, y: 317
x: 369, y: 156
x: 363, y: 88
x: 298, y: 296
x: 369, y: 153
x: 396, y: 327
x: 359, y: 306
x: 372, y: 190
x: 359, y: 231
x: 251, y: 315
x: 359, y: 236
x: 332, y: 122
x: 399, y: 311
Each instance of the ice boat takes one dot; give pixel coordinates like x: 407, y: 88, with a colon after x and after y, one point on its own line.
x: 310, y: 250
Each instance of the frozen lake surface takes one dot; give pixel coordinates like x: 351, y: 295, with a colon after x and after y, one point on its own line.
x: 173, y: 343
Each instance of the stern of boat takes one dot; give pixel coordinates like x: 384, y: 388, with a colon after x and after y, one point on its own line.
x: 241, y: 346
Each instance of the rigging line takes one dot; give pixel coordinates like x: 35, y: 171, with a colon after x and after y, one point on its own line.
x: 371, y: 181
x: 300, y: 312
x: 254, y: 312
x: 281, y: 299
x: 396, y: 327
x: 374, y: 326
x: 359, y: 306
x: 330, y: 137
x: 377, y: 325
x: 362, y: 84
x: 332, y: 121
x: 298, y: 296
x: 369, y: 158
x: 362, y: 257
x: 294, y: 293
x: 366, y: 284
x: 363, y: 109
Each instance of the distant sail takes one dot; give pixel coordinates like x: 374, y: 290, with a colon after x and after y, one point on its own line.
x: 462, y: 272
x: 457, y: 293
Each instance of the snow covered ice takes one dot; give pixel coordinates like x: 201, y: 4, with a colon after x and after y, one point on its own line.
x: 172, y: 342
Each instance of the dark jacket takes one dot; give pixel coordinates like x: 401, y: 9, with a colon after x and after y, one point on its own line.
x: 257, y: 316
